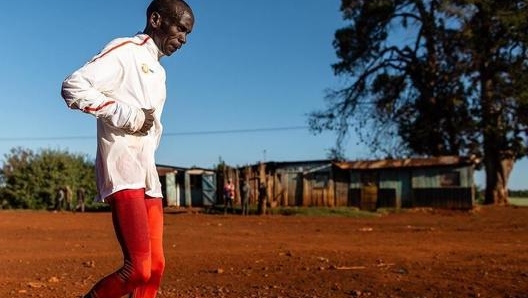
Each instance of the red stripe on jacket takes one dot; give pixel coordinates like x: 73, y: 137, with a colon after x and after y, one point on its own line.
x: 90, y: 109
x: 122, y: 44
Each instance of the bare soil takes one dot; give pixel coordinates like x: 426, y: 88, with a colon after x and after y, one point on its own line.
x: 416, y: 253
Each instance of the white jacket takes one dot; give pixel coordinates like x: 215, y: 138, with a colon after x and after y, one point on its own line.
x: 114, y: 86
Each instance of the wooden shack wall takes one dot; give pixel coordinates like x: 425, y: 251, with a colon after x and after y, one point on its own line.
x: 342, y: 186
x: 288, y: 186
x: 254, y: 175
x: 293, y: 186
x: 319, y: 189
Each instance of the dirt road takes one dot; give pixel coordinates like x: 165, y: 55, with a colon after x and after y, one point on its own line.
x: 420, y: 253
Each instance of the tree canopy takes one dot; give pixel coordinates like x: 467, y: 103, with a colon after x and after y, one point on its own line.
x: 30, y: 179
x: 434, y: 78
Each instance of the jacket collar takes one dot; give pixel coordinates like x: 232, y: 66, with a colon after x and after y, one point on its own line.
x: 151, y: 45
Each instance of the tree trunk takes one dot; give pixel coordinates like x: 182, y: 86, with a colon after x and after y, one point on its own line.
x: 498, y: 170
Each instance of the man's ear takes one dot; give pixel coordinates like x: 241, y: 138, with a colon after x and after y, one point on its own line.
x: 155, y: 20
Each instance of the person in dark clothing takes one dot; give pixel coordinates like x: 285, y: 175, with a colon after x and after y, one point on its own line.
x: 262, y: 198
x: 229, y: 196
x: 80, y: 199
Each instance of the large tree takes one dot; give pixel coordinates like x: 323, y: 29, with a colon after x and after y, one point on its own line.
x: 496, y: 40
x: 434, y: 78
x: 30, y: 179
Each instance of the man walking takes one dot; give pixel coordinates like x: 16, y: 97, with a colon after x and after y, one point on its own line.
x: 124, y: 88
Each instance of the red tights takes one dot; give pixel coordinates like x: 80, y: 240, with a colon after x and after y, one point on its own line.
x: 138, y: 224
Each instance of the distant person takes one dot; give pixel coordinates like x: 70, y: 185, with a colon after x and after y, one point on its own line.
x: 244, y: 196
x: 124, y: 88
x: 68, y: 197
x: 81, y: 193
x: 59, y: 199
x: 262, y: 198
x: 229, y: 196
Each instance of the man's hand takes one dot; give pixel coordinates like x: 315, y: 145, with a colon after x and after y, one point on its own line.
x: 147, y: 124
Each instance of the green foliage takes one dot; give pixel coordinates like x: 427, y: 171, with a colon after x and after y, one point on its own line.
x: 519, y: 193
x: 336, y: 154
x: 30, y: 179
x: 221, y: 166
x: 440, y: 77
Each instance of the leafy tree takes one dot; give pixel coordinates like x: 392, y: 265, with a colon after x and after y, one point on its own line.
x: 496, y: 39
x: 30, y: 180
x: 434, y: 78
x: 335, y: 154
x: 519, y: 193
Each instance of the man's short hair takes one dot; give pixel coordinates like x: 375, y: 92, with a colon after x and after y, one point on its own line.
x: 164, y: 7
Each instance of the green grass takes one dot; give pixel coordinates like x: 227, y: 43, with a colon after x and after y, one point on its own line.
x: 308, y: 211
x: 519, y: 201
x: 322, y: 211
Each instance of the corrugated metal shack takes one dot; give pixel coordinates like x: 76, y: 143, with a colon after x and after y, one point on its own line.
x: 187, y: 187
x: 443, y: 182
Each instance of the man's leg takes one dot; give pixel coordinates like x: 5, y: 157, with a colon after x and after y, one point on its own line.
x: 154, y: 208
x: 130, y: 220
x: 231, y: 202
x: 246, y: 207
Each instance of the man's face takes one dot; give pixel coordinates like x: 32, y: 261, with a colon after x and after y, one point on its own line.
x: 171, y: 34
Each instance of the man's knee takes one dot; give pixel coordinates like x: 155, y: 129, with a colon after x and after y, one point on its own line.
x: 158, y: 266
x: 136, y: 273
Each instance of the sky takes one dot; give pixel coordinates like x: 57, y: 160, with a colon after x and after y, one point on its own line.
x: 239, y: 91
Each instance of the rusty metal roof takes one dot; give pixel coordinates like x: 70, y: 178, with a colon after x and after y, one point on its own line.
x: 407, y: 163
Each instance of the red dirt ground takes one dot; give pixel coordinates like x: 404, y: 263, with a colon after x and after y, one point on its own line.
x: 418, y: 253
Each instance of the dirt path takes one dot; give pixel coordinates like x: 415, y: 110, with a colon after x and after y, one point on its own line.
x: 421, y: 253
